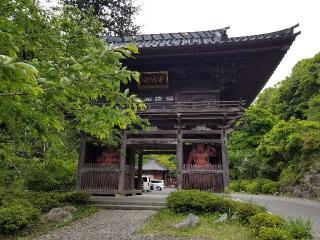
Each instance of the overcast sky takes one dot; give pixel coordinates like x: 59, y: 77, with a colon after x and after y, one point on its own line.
x: 245, y: 17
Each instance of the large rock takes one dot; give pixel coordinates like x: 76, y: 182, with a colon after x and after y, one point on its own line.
x: 191, y: 221
x: 305, y: 194
x: 58, y: 214
x: 316, y: 191
x: 223, y: 218
x: 296, y: 192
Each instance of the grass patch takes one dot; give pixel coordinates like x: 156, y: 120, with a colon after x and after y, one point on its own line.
x: 160, y: 225
x: 40, y: 228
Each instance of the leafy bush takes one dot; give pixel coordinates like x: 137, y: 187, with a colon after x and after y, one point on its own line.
x: 244, y: 183
x: 45, y: 201
x: 199, y: 202
x: 270, y: 233
x: 77, y: 198
x: 17, y: 215
x: 189, y: 201
x: 271, y: 187
x: 50, y: 175
x: 246, y: 210
x: 235, y: 186
x: 254, y: 187
x: 299, y: 229
x: 264, y: 219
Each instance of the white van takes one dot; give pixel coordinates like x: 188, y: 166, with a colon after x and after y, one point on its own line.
x: 146, y: 183
x: 157, y: 184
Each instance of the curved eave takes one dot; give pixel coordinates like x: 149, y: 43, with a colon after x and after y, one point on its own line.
x: 200, y: 45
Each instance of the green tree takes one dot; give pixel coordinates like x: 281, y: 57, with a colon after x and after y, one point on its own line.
x: 56, y: 74
x: 117, y: 16
x: 246, y: 138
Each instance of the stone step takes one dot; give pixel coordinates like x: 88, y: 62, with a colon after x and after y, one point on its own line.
x: 128, y: 202
x: 128, y: 207
x: 127, y: 199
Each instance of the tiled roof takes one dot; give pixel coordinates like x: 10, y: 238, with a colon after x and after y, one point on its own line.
x: 200, y: 38
x: 153, y: 165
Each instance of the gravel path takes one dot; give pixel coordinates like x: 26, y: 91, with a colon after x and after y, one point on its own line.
x: 105, y: 224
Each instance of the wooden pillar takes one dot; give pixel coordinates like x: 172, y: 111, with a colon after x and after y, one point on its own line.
x: 122, y: 162
x: 82, y: 156
x: 140, y: 162
x: 133, y: 165
x: 225, y: 162
x: 179, y: 158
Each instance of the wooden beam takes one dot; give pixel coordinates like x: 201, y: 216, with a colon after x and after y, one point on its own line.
x: 225, y: 163
x: 201, y: 131
x: 179, y: 159
x: 132, y: 141
x: 82, y: 156
x: 147, y: 152
x: 122, y: 161
x: 140, y: 162
x: 157, y: 132
x: 202, y: 171
x: 201, y: 140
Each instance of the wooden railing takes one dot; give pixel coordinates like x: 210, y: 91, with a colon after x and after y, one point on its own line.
x: 195, y: 106
x: 104, y: 178
x: 207, y: 177
x: 209, y: 168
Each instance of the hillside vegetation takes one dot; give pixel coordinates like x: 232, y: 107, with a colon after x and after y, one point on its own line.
x: 278, y: 137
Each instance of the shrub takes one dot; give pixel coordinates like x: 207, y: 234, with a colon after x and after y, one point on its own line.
x: 264, y: 219
x: 270, y: 233
x: 271, y: 187
x: 235, y: 186
x: 17, y: 215
x: 199, y: 202
x: 45, y: 201
x: 77, y: 198
x: 299, y: 229
x: 189, y: 201
x: 255, y: 187
x: 50, y: 175
x: 244, y: 183
x: 246, y: 210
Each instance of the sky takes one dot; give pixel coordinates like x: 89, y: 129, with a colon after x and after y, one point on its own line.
x: 245, y: 17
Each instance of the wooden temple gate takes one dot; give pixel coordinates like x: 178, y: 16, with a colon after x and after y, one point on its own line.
x: 193, y: 84
x: 120, y: 177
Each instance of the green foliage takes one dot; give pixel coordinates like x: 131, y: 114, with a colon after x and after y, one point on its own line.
x: 17, y: 215
x: 246, y: 210
x: 77, y: 198
x: 50, y: 175
x: 255, y: 186
x: 244, y: 183
x: 270, y: 233
x: 277, y: 138
x: 264, y: 219
x: 45, y: 201
x: 244, y: 141
x: 54, y: 68
x: 235, y: 186
x: 299, y: 229
x: 116, y: 16
x: 199, y: 202
x: 271, y: 187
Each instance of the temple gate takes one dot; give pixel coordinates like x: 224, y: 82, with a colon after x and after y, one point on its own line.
x: 195, y: 86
